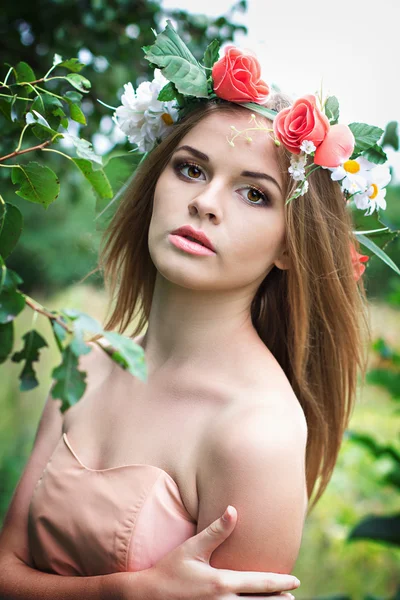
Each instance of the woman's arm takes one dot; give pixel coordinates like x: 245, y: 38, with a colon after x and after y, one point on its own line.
x: 256, y: 462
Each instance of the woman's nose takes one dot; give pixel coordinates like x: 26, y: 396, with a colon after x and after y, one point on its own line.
x: 208, y: 202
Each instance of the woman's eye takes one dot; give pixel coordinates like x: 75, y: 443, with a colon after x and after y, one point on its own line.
x: 254, y: 196
x: 193, y: 171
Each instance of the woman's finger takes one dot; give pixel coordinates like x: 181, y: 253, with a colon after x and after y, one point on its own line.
x: 256, y: 582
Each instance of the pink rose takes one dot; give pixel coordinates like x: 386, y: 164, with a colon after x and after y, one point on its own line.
x: 236, y: 77
x: 357, y: 260
x: 336, y: 148
x: 302, y: 121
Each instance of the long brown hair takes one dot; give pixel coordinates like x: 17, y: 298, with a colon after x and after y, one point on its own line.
x: 321, y: 327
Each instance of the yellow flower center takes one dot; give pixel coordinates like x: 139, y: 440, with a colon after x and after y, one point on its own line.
x: 168, y: 120
x: 351, y: 166
x: 374, y: 192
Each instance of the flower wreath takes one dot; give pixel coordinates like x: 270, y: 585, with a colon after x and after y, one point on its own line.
x: 308, y: 129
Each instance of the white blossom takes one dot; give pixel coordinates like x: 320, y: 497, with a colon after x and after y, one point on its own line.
x: 307, y: 146
x: 144, y: 119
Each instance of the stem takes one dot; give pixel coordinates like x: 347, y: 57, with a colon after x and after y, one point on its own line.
x: 21, y: 137
x: 50, y: 93
x: 15, y: 153
x: 43, y: 311
x: 16, y: 97
x: 57, y: 152
x: 7, y: 76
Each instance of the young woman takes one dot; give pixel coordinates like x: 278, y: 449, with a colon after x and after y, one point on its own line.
x: 253, y: 345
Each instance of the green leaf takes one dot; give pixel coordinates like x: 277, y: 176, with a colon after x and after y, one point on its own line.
x: 11, y: 304
x: 74, y: 97
x: 84, y: 149
x: 6, y: 340
x: 375, y: 154
x: 77, y: 114
x: 6, y: 106
x: 33, y: 342
x: 71, y: 383
x: 39, y: 184
x: 72, y: 64
x: 178, y: 64
x: 59, y: 332
x: 10, y: 280
x: 167, y: 93
x: 11, y: 224
x: 211, y: 55
x: 50, y: 108
x: 97, y: 179
x: 261, y: 110
x: 382, y: 529
x: 79, y: 82
x: 36, y: 118
x: 42, y: 129
x: 128, y: 354
x: 365, y: 136
x: 376, y: 250
x: 332, y: 109
x: 391, y: 135
x: 23, y: 72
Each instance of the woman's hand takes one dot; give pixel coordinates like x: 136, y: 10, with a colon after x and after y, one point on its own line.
x: 185, y: 572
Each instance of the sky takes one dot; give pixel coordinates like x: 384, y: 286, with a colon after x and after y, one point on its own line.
x: 352, y: 47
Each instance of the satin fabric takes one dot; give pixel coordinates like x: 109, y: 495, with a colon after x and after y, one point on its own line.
x: 86, y: 522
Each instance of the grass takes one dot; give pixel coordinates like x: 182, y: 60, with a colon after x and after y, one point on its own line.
x: 327, y: 564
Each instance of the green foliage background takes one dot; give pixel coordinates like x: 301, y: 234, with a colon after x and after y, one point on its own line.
x: 59, y: 246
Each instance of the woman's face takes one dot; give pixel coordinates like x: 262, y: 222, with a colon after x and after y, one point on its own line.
x: 242, y: 214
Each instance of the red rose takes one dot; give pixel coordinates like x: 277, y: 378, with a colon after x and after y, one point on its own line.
x: 336, y: 148
x: 358, y: 260
x: 302, y: 121
x: 236, y: 77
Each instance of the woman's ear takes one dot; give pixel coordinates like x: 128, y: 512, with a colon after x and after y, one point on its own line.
x: 283, y: 262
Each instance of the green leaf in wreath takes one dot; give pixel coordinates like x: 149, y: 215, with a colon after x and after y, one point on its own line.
x: 167, y: 93
x: 332, y: 109
x: 11, y: 224
x: 97, y: 179
x: 6, y: 340
x: 365, y: 241
x: 70, y: 382
x: 391, y: 135
x: 11, y: 304
x: 375, y: 154
x: 39, y: 184
x: 178, y: 64
x: 365, y: 136
x: 79, y: 82
x: 211, y: 55
x: 261, y: 110
x: 33, y: 342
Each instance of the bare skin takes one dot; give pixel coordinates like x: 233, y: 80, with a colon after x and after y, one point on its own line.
x: 208, y: 368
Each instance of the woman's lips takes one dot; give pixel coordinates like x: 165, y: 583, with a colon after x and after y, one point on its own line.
x: 188, y: 246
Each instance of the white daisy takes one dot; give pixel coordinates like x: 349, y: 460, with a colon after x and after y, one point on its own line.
x: 353, y: 174
x: 375, y: 192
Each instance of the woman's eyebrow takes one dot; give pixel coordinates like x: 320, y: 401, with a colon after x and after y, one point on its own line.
x: 253, y: 174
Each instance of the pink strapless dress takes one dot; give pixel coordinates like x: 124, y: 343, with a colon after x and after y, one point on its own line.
x: 86, y: 522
